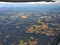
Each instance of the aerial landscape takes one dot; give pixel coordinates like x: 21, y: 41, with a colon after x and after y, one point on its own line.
x: 29, y: 24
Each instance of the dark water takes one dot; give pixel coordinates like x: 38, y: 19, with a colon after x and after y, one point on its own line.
x: 24, y: 24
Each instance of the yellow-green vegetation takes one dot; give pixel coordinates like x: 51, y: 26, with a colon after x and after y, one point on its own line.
x: 33, y: 28
x: 40, y: 22
x: 23, y: 16
x: 22, y: 42
x: 31, y: 41
x: 41, y: 29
